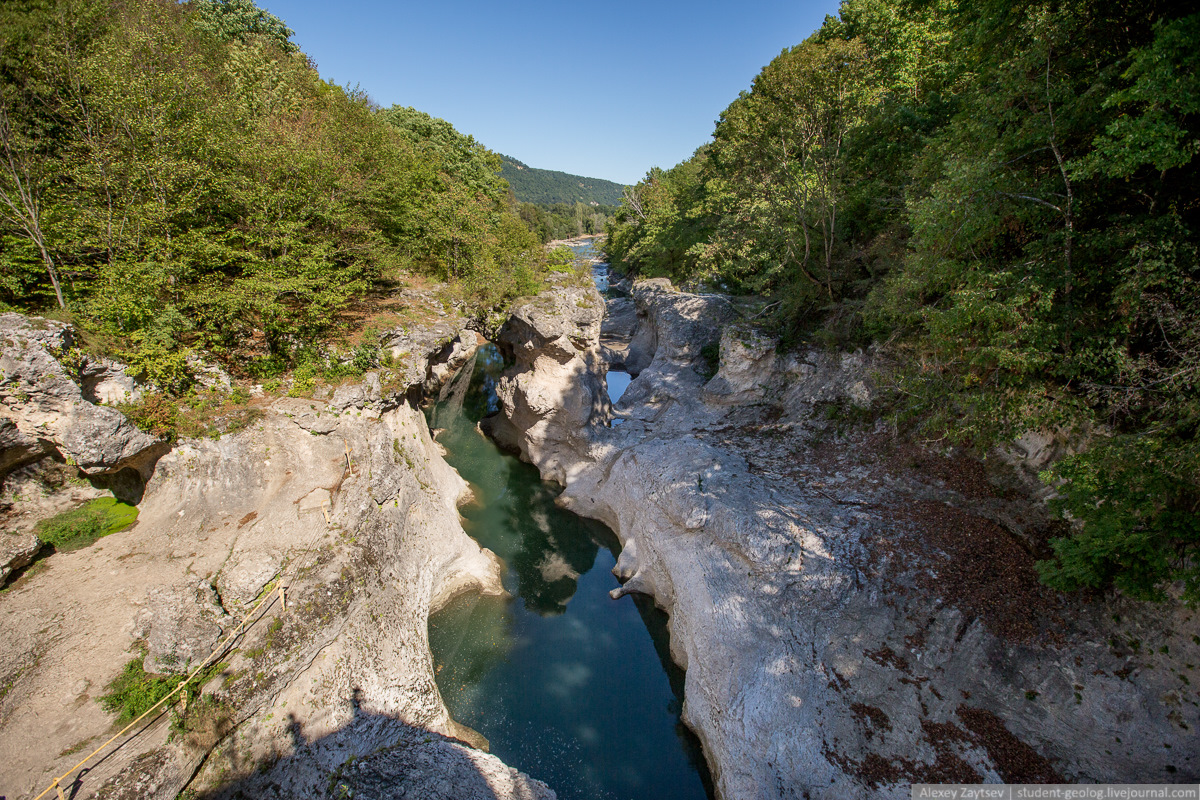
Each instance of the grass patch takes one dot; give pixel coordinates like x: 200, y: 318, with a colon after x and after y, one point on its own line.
x: 135, y: 691
x: 80, y: 527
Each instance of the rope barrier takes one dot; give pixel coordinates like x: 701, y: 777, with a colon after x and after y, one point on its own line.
x: 281, y: 589
x: 57, y: 784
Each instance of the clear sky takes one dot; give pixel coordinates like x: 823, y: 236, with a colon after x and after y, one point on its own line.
x: 602, y: 89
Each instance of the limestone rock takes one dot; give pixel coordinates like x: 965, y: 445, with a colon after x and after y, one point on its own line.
x: 411, y: 349
x: 447, y: 362
x: 311, y: 415
x: 16, y: 550
x: 44, y: 403
x: 554, y: 392
x: 370, y: 549
x: 436, y: 768
x: 673, y: 326
x: 105, y: 381
x: 824, y: 656
x: 180, y: 624
x: 16, y: 448
x: 208, y: 374
x: 815, y: 376
x: 746, y: 364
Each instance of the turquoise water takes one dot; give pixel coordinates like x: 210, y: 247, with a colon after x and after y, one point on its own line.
x: 568, y: 685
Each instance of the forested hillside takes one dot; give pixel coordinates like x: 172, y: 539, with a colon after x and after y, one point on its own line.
x: 548, y: 187
x: 178, y: 175
x: 565, y: 220
x: 1004, y: 196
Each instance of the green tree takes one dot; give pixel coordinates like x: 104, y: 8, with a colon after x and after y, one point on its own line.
x: 778, y: 167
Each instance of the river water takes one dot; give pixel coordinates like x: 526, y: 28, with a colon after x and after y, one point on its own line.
x: 568, y: 685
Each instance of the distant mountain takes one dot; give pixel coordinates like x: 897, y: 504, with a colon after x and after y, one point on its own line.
x: 543, y: 186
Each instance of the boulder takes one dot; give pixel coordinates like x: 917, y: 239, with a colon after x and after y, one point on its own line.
x: 554, y: 392
x: 746, y: 364
x: 17, y: 550
x: 43, y: 401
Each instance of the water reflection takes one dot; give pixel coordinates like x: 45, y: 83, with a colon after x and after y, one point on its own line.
x: 566, y: 683
x: 618, y: 381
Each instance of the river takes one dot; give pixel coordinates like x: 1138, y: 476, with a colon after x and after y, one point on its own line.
x: 568, y: 685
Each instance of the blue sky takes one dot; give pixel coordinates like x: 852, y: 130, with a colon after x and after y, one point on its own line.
x: 603, y: 89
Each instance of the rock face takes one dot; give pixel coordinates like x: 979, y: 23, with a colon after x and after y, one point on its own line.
x: 351, y: 506
x: 553, y: 397
x: 45, y: 405
x: 850, y: 613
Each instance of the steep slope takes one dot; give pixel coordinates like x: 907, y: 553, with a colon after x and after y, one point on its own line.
x: 547, y: 186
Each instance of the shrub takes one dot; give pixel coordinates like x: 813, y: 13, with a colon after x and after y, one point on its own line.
x: 1137, y: 500
x: 135, y: 691
x: 156, y: 414
x: 82, y: 526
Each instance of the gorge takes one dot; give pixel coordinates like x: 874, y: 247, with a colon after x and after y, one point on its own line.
x: 852, y: 611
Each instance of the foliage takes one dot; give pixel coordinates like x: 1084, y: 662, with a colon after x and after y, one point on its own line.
x: 659, y: 229
x: 180, y: 177
x: 134, y: 691
x: 80, y: 527
x: 1144, y: 532
x: 565, y: 221
x: 240, y: 20
x: 547, y: 187
x: 195, y: 414
x: 1005, y: 195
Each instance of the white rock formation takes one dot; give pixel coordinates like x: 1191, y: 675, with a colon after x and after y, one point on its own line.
x: 834, y: 645
x: 352, y: 505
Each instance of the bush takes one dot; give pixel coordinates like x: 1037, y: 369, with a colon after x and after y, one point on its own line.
x: 1137, y: 500
x: 155, y: 414
x: 82, y: 526
x: 135, y: 691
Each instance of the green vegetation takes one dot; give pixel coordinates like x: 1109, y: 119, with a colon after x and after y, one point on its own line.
x: 177, y: 176
x: 548, y: 187
x: 80, y: 527
x: 565, y: 221
x: 1005, y: 195
x: 135, y: 691
x: 556, y: 205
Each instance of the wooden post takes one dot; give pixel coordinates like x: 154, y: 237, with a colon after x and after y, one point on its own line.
x: 283, y: 594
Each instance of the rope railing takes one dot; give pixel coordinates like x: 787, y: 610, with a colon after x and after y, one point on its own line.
x: 280, y: 588
x: 221, y: 648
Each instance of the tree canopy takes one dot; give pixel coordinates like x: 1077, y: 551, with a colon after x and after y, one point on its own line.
x: 179, y: 175
x: 1005, y: 195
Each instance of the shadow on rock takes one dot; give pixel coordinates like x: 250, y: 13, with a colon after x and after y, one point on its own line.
x: 377, y: 756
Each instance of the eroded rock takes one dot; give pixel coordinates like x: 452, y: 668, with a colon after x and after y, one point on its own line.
x: 349, y: 504
x: 554, y: 393
x: 850, y: 615
x: 44, y: 403
x: 181, y: 625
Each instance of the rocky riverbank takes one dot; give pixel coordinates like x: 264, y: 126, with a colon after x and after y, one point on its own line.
x: 855, y: 611
x: 346, y: 498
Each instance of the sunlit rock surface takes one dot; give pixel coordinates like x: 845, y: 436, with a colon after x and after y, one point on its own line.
x: 351, y: 503
x: 554, y: 395
x: 854, y: 610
